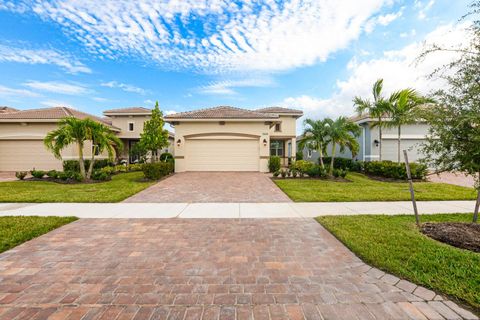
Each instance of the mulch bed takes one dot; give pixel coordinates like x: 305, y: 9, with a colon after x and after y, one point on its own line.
x: 457, y: 234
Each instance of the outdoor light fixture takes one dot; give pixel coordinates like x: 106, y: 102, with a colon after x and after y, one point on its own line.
x: 265, y: 142
x: 376, y: 142
x: 178, y: 142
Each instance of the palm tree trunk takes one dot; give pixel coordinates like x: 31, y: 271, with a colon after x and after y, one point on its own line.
x: 380, y: 134
x: 399, y: 142
x: 81, y: 163
x: 92, y: 160
x: 334, y: 147
x: 477, y: 204
x: 320, y: 154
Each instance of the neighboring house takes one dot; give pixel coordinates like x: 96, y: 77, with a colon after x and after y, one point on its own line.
x: 232, y: 139
x: 413, y: 135
x: 22, y: 133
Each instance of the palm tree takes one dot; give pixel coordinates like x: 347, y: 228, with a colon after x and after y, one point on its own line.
x: 404, y: 108
x: 376, y: 109
x: 72, y: 130
x: 315, y: 137
x: 342, y: 132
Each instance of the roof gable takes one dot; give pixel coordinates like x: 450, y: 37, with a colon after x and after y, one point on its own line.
x: 222, y: 112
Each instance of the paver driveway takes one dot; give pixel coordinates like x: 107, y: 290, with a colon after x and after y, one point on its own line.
x: 202, y: 269
x: 213, y: 187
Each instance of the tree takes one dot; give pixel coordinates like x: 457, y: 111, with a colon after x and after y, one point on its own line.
x: 315, y: 137
x: 376, y: 109
x: 72, y: 130
x: 454, y: 136
x: 154, y: 137
x: 342, y: 132
x: 404, y: 108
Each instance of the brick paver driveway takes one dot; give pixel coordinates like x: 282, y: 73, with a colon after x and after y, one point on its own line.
x: 213, y: 187
x: 202, y: 269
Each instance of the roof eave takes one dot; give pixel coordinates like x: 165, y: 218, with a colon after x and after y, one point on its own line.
x: 127, y: 113
x: 219, y: 119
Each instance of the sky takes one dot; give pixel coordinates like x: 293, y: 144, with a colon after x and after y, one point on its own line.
x: 313, y: 55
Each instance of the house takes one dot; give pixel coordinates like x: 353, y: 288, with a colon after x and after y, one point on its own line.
x: 412, y: 136
x: 22, y: 133
x: 225, y: 138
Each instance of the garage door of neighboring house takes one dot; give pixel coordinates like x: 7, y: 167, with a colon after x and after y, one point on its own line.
x: 222, y: 155
x: 24, y: 155
x: 390, y: 149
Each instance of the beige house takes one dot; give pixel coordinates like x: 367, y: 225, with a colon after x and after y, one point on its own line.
x: 22, y: 133
x: 233, y: 139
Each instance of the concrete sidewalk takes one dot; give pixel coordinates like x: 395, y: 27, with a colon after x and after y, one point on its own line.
x: 230, y: 210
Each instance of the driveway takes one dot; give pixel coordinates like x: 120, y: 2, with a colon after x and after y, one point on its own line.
x: 203, y: 269
x: 188, y: 187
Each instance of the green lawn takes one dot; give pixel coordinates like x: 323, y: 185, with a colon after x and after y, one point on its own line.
x: 393, y: 244
x: 121, y: 186
x: 16, y: 230
x: 363, y: 188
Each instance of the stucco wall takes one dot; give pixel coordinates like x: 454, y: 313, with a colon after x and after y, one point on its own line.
x: 123, y: 121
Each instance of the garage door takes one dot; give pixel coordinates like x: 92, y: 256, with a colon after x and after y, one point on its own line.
x: 25, y: 155
x: 222, y: 155
x: 390, y: 149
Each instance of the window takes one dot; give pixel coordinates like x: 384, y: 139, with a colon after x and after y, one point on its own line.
x: 278, y: 127
x: 130, y: 126
x: 276, y: 148
x: 95, y: 150
x: 309, y: 153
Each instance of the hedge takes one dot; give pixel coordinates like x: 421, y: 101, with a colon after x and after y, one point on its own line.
x: 73, y: 165
x: 389, y: 169
x: 157, y: 170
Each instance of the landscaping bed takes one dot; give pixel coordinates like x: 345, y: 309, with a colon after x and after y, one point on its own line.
x: 460, y: 235
x: 394, y: 244
x: 16, y: 230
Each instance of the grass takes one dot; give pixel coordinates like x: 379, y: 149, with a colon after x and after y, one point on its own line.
x: 17, y: 230
x: 393, y: 244
x: 121, y: 186
x: 362, y: 188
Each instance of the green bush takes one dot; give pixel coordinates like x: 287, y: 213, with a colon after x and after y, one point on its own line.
x: 276, y: 174
x: 120, y: 168
x: 108, y: 170
x: 52, y: 174
x: 345, y: 164
x: 274, y: 163
x: 135, y: 167
x: 157, y: 170
x: 166, y: 156
x: 299, y: 155
x: 316, y: 172
x: 39, y: 174
x: 302, y: 165
x: 21, y: 174
x: 100, y: 175
x: 283, y: 173
x: 389, y: 169
x: 73, y: 165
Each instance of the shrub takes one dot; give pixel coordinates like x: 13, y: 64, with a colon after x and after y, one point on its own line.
x: 108, y: 170
x: 100, y: 175
x: 166, y: 156
x: 135, y: 167
x: 276, y: 174
x: 157, y: 170
x: 343, y: 173
x: 21, y: 174
x: 283, y: 173
x: 120, y: 168
x: 37, y: 173
x: 345, y: 164
x: 73, y: 165
x: 336, y: 173
x: 302, y: 165
x: 63, y: 175
x: 389, y: 169
x: 52, y: 174
x: 299, y: 155
x: 316, y: 172
x: 294, y: 173
x: 274, y: 163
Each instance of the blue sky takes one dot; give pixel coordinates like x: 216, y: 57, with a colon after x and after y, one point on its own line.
x: 313, y: 55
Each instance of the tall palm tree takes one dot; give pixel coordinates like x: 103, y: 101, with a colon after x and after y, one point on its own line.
x: 342, y: 132
x: 404, y: 108
x: 72, y: 130
x: 315, y: 137
x: 103, y: 139
x: 376, y: 108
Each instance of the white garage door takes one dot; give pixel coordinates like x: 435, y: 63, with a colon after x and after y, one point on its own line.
x: 24, y: 155
x: 390, y: 149
x: 222, y: 155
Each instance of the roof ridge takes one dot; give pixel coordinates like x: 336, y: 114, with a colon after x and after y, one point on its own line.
x: 67, y: 111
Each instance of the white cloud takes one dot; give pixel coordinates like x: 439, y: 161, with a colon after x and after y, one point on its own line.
x: 57, y: 87
x: 40, y: 56
x: 12, y: 92
x: 226, y: 87
x: 383, y: 20
x: 423, y: 8
x: 100, y: 99
x: 125, y: 87
x: 55, y: 103
x: 399, y: 69
x: 233, y: 36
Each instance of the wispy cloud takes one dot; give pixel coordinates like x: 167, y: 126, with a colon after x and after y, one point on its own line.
x: 233, y: 36
x: 40, y: 56
x: 57, y: 87
x: 383, y: 20
x: 125, y: 87
x: 227, y: 87
x: 55, y: 103
x: 423, y: 7
x: 7, y: 91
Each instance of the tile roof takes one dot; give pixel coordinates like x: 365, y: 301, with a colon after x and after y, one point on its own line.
x: 279, y: 110
x: 222, y: 112
x: 131, y: 110
x: 55, y: 113
x: 5, y: 109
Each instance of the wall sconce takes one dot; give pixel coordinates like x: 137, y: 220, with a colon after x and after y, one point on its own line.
x: 264, y: 142
x: 179, y: 142
x: 376, y: 142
